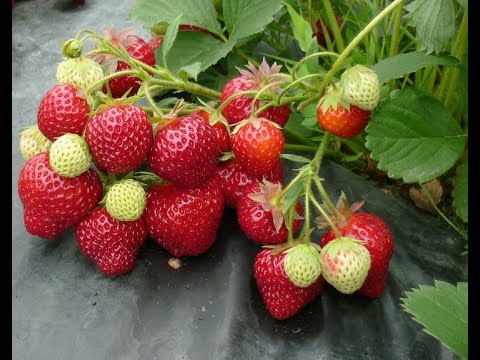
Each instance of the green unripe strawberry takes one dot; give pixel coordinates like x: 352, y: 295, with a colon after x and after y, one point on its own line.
x: 126, y: 200
x: 302, y: 264
x: 83, y: 72
x: 33, y: 142
x: 345, y: 264
x: 70, y: 156
x: 361, y: 87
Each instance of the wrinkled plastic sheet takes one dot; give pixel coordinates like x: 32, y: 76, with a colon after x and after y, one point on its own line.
x: 64, y: 308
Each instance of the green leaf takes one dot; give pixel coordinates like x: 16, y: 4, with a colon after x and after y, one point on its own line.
x: 414, y: 137
x: 302, y: 31
x: 247, y: 17
x: 292, y: 195
x: 201, y: 13
x: 434, y: 21
x: 443, y: 311
x: 191, y: 47
x: 190, y: 71
x: 295, y: 158
x: 169, y: 38
x: 460, y: 192
x: 310, y: 115
x: 397, y: 66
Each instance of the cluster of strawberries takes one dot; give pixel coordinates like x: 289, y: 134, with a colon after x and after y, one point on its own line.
x: 117, y: 176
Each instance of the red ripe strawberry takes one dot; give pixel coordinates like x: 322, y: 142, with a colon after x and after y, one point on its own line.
x: 137, y: 48
x: 240, y: 107
x: 235, y: 181
x: 337, y: 116
x: 155, y: 42
x: 320, y: 34
x: 220, y: 127
x: 184, y: 221
x: 257, y: 144
x: 260, y: 214
x: 52, y: 203
x: 282, y: 298
x: 63, y: 109
x: 377, y: 239
x: 119, y: 138
x: 113, y: 245
x: 184, y: 152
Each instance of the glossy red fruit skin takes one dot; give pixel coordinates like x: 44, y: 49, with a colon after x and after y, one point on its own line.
x: 234, y: 180
x: 343, y: 123
x: 53, y: 203
x: 155, y: 42
x: 240, y: 108
x: 119, y: 138
x: 281, y: 297
x: 63, y: 109
x: 223, y: 138
x: 184, y: 221
x: 378, y: 240
x: 258, y: 150
x: 258, y: 224
x: 184, y: 152
x: 111, y: 244
x: 138, y: 49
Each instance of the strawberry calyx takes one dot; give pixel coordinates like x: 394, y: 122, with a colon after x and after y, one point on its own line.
x: 263, y: 75
x: 214, y: 115
x: 332, y: 98
x: 72, y: 48
x: 343, y: 214
x: 255, y: 121
x: 116, y: 39
x: 281, y: 248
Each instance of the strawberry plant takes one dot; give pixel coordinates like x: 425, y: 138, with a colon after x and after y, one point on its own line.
x: 160, y: 135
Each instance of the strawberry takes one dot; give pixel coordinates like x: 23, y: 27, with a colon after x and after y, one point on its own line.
x: 377, y: 238
x: 361, y: 87
x: 234, y: 180
x: 119, y: 137
x: 58, y: 202
x: 82, y: 72
x: 240, y: 107
x: 33, y: 142
x: 69, y: 155
x: 282, y: 298
x: 302, y: 264
x: 345, y: 264
x: 257, y: 144
x: 111, y: 244
x: 126, y: 200
x: 184, y: 151
x: 137, y: 48
x: 63, y: 109
x: 260, y: 213
x: 320, y: 34
x: 337, y: 116
x: 219, y: 124
x: 184, y: 221
x: 155, y: 42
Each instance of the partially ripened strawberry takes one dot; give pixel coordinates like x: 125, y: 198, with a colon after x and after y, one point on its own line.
x: 234, y: 180
x: 257, y: 143
x: 220, y: 125
x: 184, y: 221
x: 111, y: 244
x: 119, y: 138
x: 260, y: 214
x: 377, y: 238
x: 137, y: 48
x: 56, y: 200
x: 63, y: 109
x: 282, y: 298
x: 253, y: 79
x: 361, y: 87
x: 33, y: 142
x: 345, y: 264
x: 184, y: 152
x: 337, y: 116
x: 126, y: 200
x: 82, y: 72
x: 70, y: 156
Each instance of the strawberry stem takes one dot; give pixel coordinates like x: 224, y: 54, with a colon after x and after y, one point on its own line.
x: 148, y: 95
x: 293, y: 83
x: 311, y: 56
x: 326, y: 216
